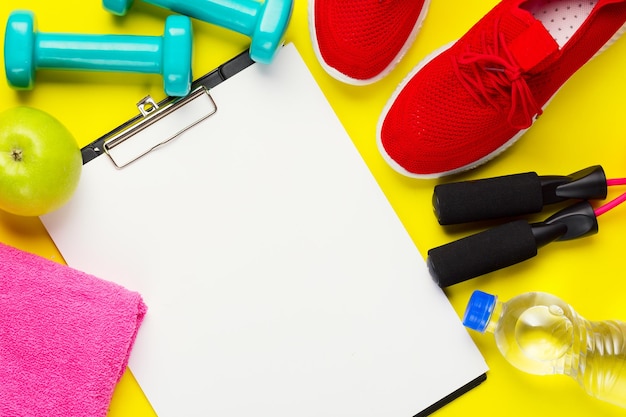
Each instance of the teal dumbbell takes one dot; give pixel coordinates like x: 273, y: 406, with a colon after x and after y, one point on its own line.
x: 265, y: 22
x: 26, y: 50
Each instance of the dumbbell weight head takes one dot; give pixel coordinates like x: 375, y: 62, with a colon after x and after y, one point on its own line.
x: 270, y: 29
x: 177, y: 55
x: 19, y: 44
x: 117, y: 7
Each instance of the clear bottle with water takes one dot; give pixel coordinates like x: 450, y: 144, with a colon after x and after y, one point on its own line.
x: 541, y: 334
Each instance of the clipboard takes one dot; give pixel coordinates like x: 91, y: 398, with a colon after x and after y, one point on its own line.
x: 278, y: 278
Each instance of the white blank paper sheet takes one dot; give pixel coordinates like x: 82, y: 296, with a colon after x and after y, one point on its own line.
x: 279, y: 280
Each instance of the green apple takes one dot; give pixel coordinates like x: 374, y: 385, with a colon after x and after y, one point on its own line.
x: 40, y: 162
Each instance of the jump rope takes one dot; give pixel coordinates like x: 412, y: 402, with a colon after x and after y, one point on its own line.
x: 517, y: 240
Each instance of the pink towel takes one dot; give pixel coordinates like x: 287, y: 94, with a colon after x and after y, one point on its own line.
x: 65, y: 337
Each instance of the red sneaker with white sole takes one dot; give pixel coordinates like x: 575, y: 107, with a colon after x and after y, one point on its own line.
x: 465, y: 104
x: 361, y: 41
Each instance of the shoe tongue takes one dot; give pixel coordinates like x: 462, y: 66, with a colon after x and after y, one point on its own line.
x: 532, y: 46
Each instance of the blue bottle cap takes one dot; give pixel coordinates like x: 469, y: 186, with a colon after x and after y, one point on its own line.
x: 479, y: 309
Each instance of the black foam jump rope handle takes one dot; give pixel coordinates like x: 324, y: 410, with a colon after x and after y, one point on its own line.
x: 513, y: 195
x: 488, y: 198
x: 482, y: 253
x: 507, y: 244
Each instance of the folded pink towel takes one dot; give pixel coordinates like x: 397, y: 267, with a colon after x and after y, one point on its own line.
x: 65, y: 337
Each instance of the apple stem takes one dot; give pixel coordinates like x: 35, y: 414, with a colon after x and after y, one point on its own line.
x: 16, y: 154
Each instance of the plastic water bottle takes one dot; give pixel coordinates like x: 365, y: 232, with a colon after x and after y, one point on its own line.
x: 541, y: 334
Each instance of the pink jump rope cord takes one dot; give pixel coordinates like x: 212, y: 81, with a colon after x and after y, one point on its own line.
x: 615, y: 202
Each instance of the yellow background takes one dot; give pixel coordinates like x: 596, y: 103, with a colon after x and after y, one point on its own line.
x: 584, y: 125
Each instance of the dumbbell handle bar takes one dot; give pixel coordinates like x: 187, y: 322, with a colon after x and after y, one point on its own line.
x: 99, y: 52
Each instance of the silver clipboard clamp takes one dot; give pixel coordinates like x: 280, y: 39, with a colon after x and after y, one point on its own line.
x: 153, y: 114
x: 146, y: 136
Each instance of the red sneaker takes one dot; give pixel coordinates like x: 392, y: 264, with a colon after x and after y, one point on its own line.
x: 361, y: 41
x: 464, y: 105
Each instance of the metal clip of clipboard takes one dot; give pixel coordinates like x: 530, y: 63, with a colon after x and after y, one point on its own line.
x: 205, y: 83
x: 202, y: 104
